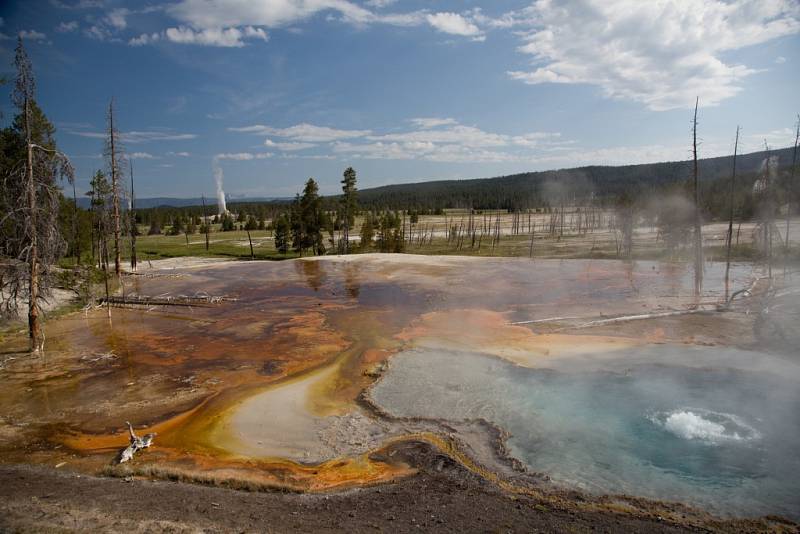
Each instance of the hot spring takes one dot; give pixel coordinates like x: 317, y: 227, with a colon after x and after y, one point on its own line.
x: 714, y: 427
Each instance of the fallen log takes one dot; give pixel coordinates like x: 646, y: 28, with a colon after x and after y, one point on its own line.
x: 137, y: 444
x: 166, y: 300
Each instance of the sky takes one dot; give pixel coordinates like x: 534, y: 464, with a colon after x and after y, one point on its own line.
x: 276, y: 91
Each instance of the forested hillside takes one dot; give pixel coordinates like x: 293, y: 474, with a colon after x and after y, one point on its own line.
x: 533, y: 189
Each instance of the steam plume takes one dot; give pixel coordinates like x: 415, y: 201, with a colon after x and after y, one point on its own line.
x: 218, y: 176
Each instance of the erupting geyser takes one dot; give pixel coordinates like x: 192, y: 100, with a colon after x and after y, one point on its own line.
x: 218, y: 176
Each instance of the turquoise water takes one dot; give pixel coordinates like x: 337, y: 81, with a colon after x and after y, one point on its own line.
x: 718, y: 428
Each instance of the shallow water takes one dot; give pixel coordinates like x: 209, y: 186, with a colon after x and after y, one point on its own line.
x: 706, y: 426
x: 195, y: 376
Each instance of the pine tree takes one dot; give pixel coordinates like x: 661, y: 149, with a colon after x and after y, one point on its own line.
x: 349, y: 205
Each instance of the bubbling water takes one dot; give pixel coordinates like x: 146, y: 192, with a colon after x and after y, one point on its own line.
x: 705, y: 425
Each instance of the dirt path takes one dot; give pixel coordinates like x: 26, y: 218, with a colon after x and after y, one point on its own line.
x: 36, y: 499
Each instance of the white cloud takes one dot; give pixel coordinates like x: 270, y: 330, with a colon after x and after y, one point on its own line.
x: 243, y: 156
x: 306, y: 133
x: 145, y: 39
x: 225, y: 37
x: 67, y: 27
x: 780, y: 60
x: 431, y: 122
x: 135, y: 137
x: 32, y: 35
x: 660, y: 53
x: 468, y: 136
x: 454, y: 24
x: 141, y: 155
x: 204, y: 15
x: 179, y: 154
x: 230, y: 13
x: 117, y: 18
x: 433, y: 139
x: 288, y: 147
x: 98, y: 32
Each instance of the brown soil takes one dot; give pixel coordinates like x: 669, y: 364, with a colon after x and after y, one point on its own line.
x: 443, y: 497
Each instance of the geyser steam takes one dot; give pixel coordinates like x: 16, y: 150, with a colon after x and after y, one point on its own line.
x: 218, y: 176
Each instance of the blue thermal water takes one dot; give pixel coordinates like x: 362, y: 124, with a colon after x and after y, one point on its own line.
x: 718, y: 428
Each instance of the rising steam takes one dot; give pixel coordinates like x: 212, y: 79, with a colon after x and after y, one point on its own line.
x: 218, y: 176
x: 768, y: 170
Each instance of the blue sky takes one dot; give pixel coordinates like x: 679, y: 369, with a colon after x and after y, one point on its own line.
x: 275, y: 91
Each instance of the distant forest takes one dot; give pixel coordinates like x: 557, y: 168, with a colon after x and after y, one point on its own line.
x: 599, y: 185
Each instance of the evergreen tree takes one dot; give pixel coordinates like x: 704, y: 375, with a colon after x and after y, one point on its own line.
x: 312, y: 217
x: 349, y: 205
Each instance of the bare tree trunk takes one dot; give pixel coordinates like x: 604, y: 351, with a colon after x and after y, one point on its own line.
x: 133, y: 223
x: 730, y: 220
x: 252, y: 255
x: 530, y: 252
x: 75, y: 235
x: 789, y: 191
x: 104, y: 246
x: 114, y: 185
x: 698, y: 237
x: 34, y: 321
x: 770, y: 209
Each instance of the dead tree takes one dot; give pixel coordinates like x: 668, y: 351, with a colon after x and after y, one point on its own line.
x: 112, y: 153
x: 133, y: 223
x: 136, y: 444
x: 32, y: 195
x: 730, y: 220
x: 768, y: 206
x: 75, y: 222
x: 790, y: 190
x: 698, y: 236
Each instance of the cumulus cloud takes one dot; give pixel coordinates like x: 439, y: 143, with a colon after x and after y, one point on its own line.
x: 207, y: 16
x: 225, y: 37
x: 661, y: 54
x: 454, y: 24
